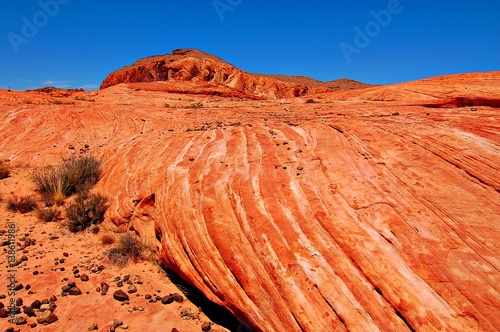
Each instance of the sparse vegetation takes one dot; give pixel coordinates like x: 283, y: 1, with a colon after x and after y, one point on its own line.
x: 310, y: 101
x: 195, y: 105
x: 107, y: 239
x: 4, y: 170
x: 60, y: 102
x: 85, y: 211
x: 82, y: 98
x: 48, y: 214
x: 129, y: 247
x: 23, y: 204
x: 74, y: 176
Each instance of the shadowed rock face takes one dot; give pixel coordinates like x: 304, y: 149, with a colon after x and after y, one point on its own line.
x: 357, y: 215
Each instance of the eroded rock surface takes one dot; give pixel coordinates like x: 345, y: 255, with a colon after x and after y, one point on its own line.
x: 191, y: 65
x: 357, y: 214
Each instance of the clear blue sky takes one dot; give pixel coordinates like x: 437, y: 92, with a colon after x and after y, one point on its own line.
x: 79, y: 43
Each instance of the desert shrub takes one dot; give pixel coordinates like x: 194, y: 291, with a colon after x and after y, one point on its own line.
x: 129, y: 247
x: 107, y: 239
x: 55, y: 183
x: 86, y: 210
x: 310, y: 101
x: 95, y: 229
x: 82, y: 173
x: 48, y: 214
x: 4, y: 170
x: 21, y: 204
x: 52, y: 184
x: 195, y: 105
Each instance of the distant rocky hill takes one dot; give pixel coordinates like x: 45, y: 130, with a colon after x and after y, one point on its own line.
x: 194, y: 65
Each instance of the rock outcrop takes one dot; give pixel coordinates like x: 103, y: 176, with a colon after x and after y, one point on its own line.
x: 195, y: 66
x: 374, y: 213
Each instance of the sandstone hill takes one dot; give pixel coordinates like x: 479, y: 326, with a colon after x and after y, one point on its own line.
x: 369, y: 210
x: 197, y: 66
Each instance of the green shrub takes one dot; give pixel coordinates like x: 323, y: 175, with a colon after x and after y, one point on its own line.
x: 74, y: 176
x: 4, y: 170
x: 48, y: 214
x: 21, y: 204
x: 86, y: 210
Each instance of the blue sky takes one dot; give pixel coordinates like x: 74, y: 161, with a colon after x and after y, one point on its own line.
x: 76, y: 43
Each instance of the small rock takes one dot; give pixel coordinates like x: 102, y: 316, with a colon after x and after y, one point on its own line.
x: 36, y: 304
x: 19, y: 321
x: 167, y: 299
x: 92, y: 327
x: 206, y: 326
x: 45, y: 307
x: 132, y: 289
x: 46, y: 317
x: 72, y: 284
x: 115, y: 324
x: 178, y: 298
x: 4, y: 313
x: 84, y: 277
x: 104, y: 287
x: 74, y: 291
x: 120, y: 295
x: 19, y: 302
x: 29, y: 311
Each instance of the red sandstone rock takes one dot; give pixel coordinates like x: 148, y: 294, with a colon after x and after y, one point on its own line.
x: 374, y: 212
x: 198, y: 67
